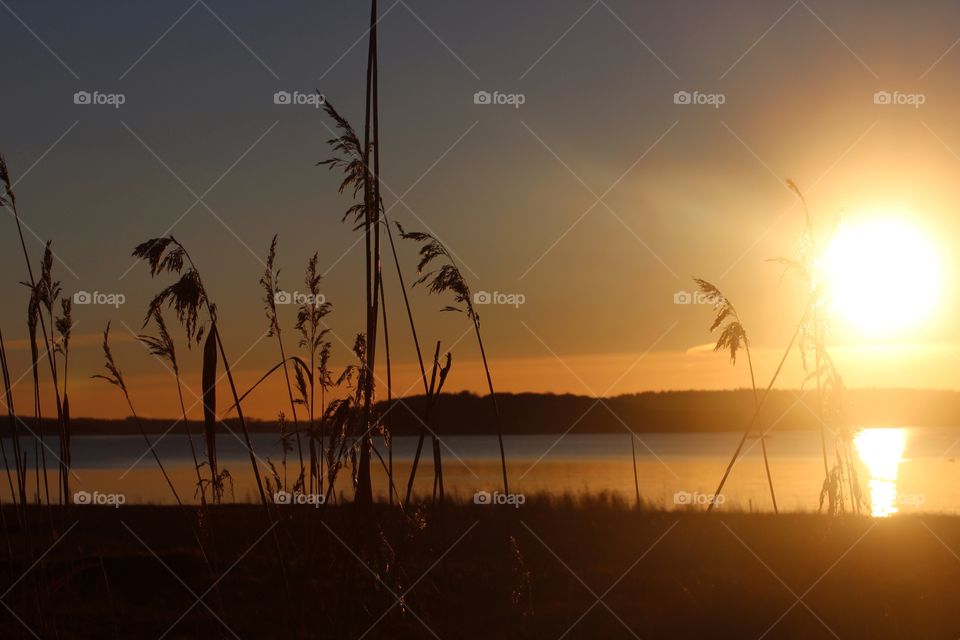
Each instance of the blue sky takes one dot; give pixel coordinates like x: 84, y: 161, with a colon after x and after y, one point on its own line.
x: 596, y: 199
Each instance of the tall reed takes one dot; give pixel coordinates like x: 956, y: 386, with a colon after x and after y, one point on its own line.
x: 814, y: 353
x: 732, y: 337
x: 636, y: 476
x: 162, y: 346
x: 270, y: 281
x: 387, y: 432
x: 18, y: 495
x: 371, y: 145
x: 447, y: 278
x: 365, y: 214
x: 48, y: 294
x: 310, y: 316
x: 64, y: 326
x: 438, y: 376
x: 115, y: 377
x: 9, y: 200
x: 810, y: 334
x: 188, y: 297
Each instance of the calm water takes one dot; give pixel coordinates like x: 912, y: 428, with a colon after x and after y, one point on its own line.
x: 904, y: 470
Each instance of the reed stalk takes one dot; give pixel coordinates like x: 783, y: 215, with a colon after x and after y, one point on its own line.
x: 9, y: 200
x: 188, y: 297
x: 387, y: 433
x: 270, y: 281
x: 64, y: 326
x: 759, y: 407
x: 448, y: 278
x: 162, y: 347
x: 114, y: 377
x: 733, y: 337
x: 310, y: 316
x: 14, y: 437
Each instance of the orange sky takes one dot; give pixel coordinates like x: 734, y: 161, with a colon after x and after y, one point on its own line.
x: 154, y: 392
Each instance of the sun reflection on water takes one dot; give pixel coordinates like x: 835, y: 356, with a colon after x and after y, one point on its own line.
x: 881, y: 450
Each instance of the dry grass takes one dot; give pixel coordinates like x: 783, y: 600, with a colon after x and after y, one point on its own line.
x: 513, y: 575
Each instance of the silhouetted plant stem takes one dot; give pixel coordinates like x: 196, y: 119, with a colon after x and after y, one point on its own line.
x: 636, y: 477
x: 115, y: 378
x: 438, y: 376
x: 763, y: 439
x: 162, y: 347
x: 437, y: 462
x: 416, y: 344
x: 448, y: 278
x: 35, y: 374
x: 387, y: 432
x: 10, y: 201
x: 808, y: 266
x: 818, y: 337
x: 496, y: 406
x: 372, y: 270
x: 423, y: 429
x: 187, y: 296
x: 193, y: 449
x: 14, y: 438
x: 44, y: 297
x: 33, y: 317
x: 756, y: 414
x: 270, y: 283
x: 243, y: 423
x: 64, y: 326
x: 733, y: 337
x: 310, y: 316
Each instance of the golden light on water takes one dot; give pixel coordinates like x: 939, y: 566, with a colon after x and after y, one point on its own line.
x: 881, y: 450
x: 883, y: 274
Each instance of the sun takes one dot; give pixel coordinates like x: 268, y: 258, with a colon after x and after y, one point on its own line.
x: 883, y: 275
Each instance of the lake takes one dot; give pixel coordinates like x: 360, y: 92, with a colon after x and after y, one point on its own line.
x: 903, y: 469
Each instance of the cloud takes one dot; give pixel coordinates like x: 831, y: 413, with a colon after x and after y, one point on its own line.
x: 700, y: 349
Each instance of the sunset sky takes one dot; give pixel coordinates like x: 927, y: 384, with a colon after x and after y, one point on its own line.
x: 596, y: 199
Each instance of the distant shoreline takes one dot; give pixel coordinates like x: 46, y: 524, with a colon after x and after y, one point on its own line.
x: 651, y: 412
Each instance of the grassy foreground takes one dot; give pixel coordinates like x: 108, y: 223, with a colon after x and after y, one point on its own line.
x: 479, y: 571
